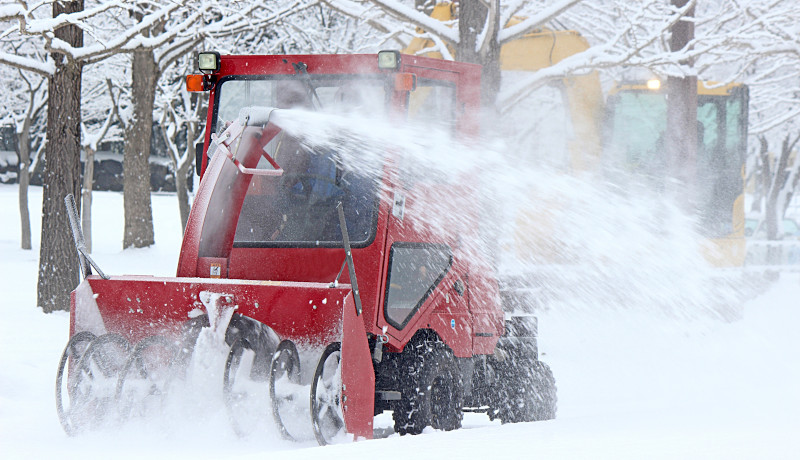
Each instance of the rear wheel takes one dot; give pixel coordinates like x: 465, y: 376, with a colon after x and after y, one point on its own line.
x: 432, y: 395
x: 545, y: 396
x: 526, y: 393
x: 326, y: 396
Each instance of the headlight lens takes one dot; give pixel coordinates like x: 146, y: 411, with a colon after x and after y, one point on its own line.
x: 389, y: 59
x: 208, y: 61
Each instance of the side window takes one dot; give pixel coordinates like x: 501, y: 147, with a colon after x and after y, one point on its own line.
x: 414, y: 271
x: 433, y: 103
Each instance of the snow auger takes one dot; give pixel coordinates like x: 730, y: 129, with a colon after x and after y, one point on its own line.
x: 421, y: 332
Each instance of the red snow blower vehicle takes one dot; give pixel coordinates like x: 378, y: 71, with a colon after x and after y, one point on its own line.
x: 421, y: 331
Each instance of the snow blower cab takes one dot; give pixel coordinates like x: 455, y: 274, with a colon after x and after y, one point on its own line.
x: 307, y: 253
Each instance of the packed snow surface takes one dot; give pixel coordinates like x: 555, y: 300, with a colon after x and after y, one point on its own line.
x: 654, y: 354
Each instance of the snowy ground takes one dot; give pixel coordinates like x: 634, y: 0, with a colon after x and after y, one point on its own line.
x: 631, y: 385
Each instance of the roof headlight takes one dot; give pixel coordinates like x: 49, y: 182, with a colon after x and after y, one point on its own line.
x: 388, y: 59
x: 208, y: 61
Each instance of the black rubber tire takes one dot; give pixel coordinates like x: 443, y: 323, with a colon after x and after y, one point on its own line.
x: 545, y: 393
x: 285, y: 361
x: 328, y: 404
x: 135, y: 364
x: 76, y: 347
x: 432, y: 394
x: 526, y: 393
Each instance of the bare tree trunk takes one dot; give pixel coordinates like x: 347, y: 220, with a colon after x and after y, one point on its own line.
x: 24, y: 159
x: 88, y: 182
x: 792, y: 178
x: 762, y: 175
x: 181, y: 188
x: 136, y: 165
x: 775, y: 207
x: 681, y: 136
x: 472, y: 16
x: 771, y: 211
x: 58, y: 263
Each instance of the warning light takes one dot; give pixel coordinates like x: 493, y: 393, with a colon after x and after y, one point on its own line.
x: 194, y: 83
x: 405, y: 82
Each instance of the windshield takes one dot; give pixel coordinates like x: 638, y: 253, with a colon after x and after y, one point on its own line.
x: 362, y: 94
x: 298, y: 208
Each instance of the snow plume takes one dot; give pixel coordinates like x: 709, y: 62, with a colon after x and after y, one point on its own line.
x: 211, y: 351
x: 189, y: 397
x: 575, y: 242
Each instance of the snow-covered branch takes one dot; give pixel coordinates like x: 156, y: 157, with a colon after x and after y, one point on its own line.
x: 46, y: 67
x: 92, y: 139
x: 527, y: 25
x: 400, y: 17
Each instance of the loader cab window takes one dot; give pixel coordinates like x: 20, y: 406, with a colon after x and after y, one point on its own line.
x: 637, y: 134
x: 720, y: 159
x: 638, y: 140
x: 415, y: 269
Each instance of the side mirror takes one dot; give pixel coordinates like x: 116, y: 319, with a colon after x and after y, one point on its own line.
x: 198, y: 157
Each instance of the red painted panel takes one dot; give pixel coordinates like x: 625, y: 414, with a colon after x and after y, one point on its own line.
x: 455, y: 329
x: 137, y: 307
x: 358, y: 375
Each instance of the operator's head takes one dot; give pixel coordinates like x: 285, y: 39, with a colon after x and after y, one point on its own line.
x: 348, y: 97
x: 291, y: 94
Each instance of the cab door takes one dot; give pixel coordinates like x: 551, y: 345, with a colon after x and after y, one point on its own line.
x: 424, y: 286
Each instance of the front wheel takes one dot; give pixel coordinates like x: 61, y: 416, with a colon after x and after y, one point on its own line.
x: 326, y: 396
x: 432, y: 395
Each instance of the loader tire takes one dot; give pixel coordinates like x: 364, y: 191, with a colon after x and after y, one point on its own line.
x: 432, y: 394
x: 527, y: 393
